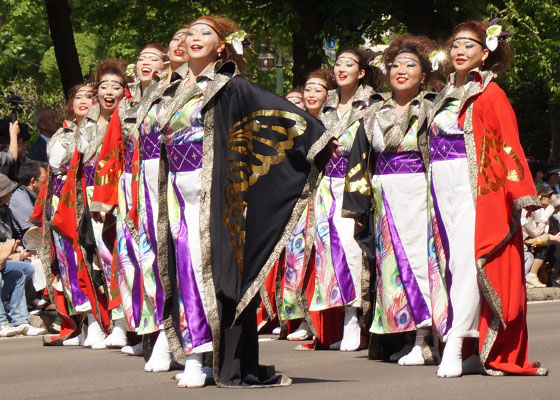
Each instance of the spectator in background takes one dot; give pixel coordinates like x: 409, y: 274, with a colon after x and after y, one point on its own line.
x: 14, y: 274
x: 552, y: 180
x: 539, y: 226
x: 538, y: 171
x: 47, y: 121
x: 31, y: 177
x: 13, y: 154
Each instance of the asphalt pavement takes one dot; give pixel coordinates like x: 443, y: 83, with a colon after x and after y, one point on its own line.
x: 32, y: 371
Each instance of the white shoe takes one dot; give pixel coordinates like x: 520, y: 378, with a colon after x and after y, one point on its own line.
x: 276, y: 331
x: 415, y: 357
x: 7, y: 330
x: 28, y: 330
x: 303, y: 332
x: 99, y: 345
x: 533, y: 279
x: 160, y: 360
x: 193, y: 377
x: 136, y: 350
x: 117, y: 338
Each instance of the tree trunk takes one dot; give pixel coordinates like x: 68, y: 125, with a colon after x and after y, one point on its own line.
x: 555, y: 129
x: 306, y: 42
x: 58, y: 12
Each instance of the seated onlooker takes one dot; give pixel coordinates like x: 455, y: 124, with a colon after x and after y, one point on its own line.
x: 536, y: 225
x: 47, y: 122
x: 551, y: 180
x: 31, y: 177
x: 14, y: 275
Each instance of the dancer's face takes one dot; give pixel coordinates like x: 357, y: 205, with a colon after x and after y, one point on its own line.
x: 150, y: 62
x: 203, y: 43
x: 82, y: 102
x: 315, y: 94
x: 405, y: 75
x: 347, y: 70
x: 466, y: 54
x: 110, y: 91
x: 296, y: 98
x: 177, y: 52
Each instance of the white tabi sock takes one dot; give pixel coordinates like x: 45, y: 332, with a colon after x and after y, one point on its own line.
x: 160, y: 360
x: 95, y: 334
x: 351, y: 335
x: 117, y: 338
x: 193, y: 377
x: 415, y: 355
x: 136, y: 350
x: 303, y: 332
x: 451, y: 362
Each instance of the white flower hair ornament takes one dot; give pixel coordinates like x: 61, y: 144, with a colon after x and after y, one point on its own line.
x: 436, y: 57
x: 131, y: 71
x: 494, y: 35
x: 377, y: 62
x: 236, y: 40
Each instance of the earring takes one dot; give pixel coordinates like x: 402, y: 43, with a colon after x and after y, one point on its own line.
x: 219, y: 54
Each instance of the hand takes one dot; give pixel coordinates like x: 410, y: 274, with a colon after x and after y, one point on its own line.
x: 6, y: 250
x: 14, y: 129
x: 97, y: 217
x: 332, y: 147
x: 358, y: 222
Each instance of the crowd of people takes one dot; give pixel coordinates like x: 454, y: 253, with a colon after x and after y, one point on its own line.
x: 184, y: 209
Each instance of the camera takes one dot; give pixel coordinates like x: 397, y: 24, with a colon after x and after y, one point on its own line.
x: 16, y: 104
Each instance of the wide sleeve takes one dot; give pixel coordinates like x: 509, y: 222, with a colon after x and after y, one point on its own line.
x: 109, y: 168
x: 357, y: 200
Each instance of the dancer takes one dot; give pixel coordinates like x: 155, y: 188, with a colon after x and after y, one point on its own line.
x: 387, y: 175
x: 297, y: 282
x: 115, y: 193
x: 227, y: 144
x: 69, y: 287
x: 337, y: 257
x: 295, y: 96
x: 144, y: 210
x: 480, y: 181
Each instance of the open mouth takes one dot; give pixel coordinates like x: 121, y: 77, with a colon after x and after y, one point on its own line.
x: 179, y: 53
x: 402, y: 80
x: 460, y: 61
x: 109, y: 102
x: 311, y: 102
x: 82, y: 108
x: 196, y: 47
x: 146, y: 71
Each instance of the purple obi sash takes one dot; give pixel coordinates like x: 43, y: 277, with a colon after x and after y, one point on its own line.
x: 336, y: 167
x: 184, y: 157
x: 448, y: 147
x: 58, y: 182
x: 89, y: 174
x: 408, y: 162
x: 150, y: 146
x: 129, y: 153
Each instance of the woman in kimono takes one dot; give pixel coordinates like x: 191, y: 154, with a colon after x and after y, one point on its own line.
x: 480, y: 181
x: 297, y: 281
x: 227, y: 145
x: 388, y: 175
x: 68, y: 287
x: 96, y: 235
x: 115, y: 193
x: 337, y: 258
x: 144, y: 210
